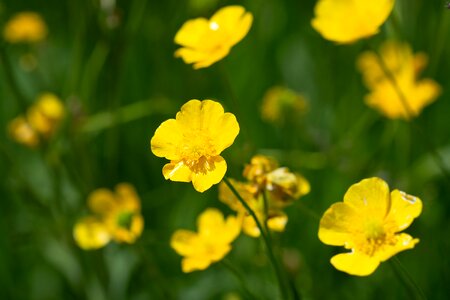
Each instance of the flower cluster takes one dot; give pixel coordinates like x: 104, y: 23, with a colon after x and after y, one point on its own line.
x: 117, y: 216
x: 40, y: 123
x: 25, y: 27
x: 205, y: 42
x: 266, y: 181
x: 404, y: 67
x: 193, y: 142
x: 369, y: 222
x: 210, y: 244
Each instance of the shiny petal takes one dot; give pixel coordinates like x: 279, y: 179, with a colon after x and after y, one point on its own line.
x: 369, y: 195
x: 234, y: 21
x: 403, y: 242
x: 89, y: 233
x: 195, y: 263
x: 355, y: 263
x: 203, y: 181
x: 177, y: 172
x: 102, y: 201
x: 338, y: 224
x: 127, y: 198
x: 277, y: 222
x: 167, y: 139
x: 404, y: 209
x: 192, y: 32
x: 185, y: 242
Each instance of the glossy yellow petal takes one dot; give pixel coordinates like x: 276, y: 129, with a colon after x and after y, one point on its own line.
x: 338, y: 224
x: 196, y: 263
x: 404, y: 209
x: 234, y: 21
x: 345, y: 21
x: 403, y: 242
x: 192, y: 32
x: 369, y: 195
x: 185, y: 242
x: 200, y: 58
x: 213, y: 227
x: 177, y: 172
x: 250, y: 228
x: 102, y: 201
x: 355, y: 263
x: 167, y: 140
x: 89, y: 233
x: 214, y: 174
x: 277, y: 222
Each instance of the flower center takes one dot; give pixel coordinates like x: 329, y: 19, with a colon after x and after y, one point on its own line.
x: 124, y: 219
x: 375, y: 236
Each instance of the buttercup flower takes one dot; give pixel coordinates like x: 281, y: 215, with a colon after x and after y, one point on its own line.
x: 205, y: 42
x: 281, y: 104
x: 345, y: 21
x: 193, y: 142
x: 265, y: 179
x: 405, y: 68
x: 116, y: 217
x: 210, y: 244
x: 369, y: 222
x: 41, y: 121
x: 26, y: 27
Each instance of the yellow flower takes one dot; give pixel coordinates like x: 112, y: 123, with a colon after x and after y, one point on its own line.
x: 41, y: 121
x: 27, y: 27
x: 284, y: 186
x: 210, y: 244
x: 22, y: 132
x: 258, y: 167
x: 405, y: 67
x: 369, y: 222
x: 281, y: 104
x: 345, y: 21
x: 205, y: 42
x: 193, y: 142
x: 116, y: 217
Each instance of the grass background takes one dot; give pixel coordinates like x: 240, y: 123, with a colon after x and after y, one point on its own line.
x: 120, y: 83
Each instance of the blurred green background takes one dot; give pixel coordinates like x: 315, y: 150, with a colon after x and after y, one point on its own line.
x: 112, y: 64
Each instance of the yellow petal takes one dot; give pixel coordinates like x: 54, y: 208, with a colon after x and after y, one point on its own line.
x: 346, y: 21
x: 177, y: 172
x: 25, y: 27
x: 128, y: 235
x: 277, y: 222
x: 338, y: 224
x: 167, y: 140
x: 369, y: 196
x: 215, y: 229
x: 217, y: 170
x: 202, y: 58
x: 21, y: 131
x: 234, y: 21
x: 192, y: 32
x: 355, y: 263
x: 102, y: 201
x: 127, y: 198
x: 89, y: 233
x: 404, y: 209
x: 196, y: 263
x: 403, y: 242
x: 185, y: 242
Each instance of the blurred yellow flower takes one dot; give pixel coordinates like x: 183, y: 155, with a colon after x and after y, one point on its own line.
x: 345, y: 21
x: 25, y: 27
x: 405, y: 67
x: 281, y: 104
x: 117, y: 216
x: 210, y: 244
x: 368, y: 222
x: 205, y: 42
x: 193, y: 142
x: 41, y: 121
x: 265, y: 179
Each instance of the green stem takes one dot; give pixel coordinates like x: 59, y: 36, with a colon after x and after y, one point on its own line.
x: 227, y: 264
x: 266, y: 241
x: 413, y: 289
x: 410, y: 115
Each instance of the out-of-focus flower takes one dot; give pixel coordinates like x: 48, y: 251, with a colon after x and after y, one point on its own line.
x: 117, y: 216
x: 350, y: 20
x: 368, y: 222
x: 25, y: 27
x: 405, y: 68
x: 265, y: 179
x: 193, y: 142
x: 210, y: 244
x: 41, y: 121
x: 281, y: 104
x: 205, y: 42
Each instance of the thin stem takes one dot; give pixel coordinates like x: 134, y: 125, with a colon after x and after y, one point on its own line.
x: 406, y: 279
x: 266, y: 215
x: 410, y: 115
x: 227, y: 264
x: 269, y: 249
